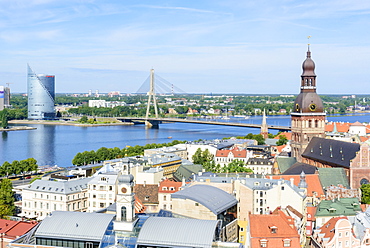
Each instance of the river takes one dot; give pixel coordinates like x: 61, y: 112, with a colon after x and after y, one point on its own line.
x: 58, y: 144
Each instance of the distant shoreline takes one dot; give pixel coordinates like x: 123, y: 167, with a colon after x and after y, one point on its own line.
x: 66, y: 123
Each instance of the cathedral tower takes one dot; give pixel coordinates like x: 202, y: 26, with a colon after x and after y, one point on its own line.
x: 308, y: 116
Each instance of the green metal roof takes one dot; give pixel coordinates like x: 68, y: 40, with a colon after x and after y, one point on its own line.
x: 343, y: 206
x: 333, y: 176
x: 187, y: 171
x: 285, y: 163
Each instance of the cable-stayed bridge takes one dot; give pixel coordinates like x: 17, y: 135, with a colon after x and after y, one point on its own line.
x: 151, y: 83
x: 161, y: 86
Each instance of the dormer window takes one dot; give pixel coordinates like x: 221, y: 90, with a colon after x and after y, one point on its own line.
x: 332, y: 210
x: 164, y: 188
x: 103, y: 179
x: 273, y: 229
x: 172, y: 188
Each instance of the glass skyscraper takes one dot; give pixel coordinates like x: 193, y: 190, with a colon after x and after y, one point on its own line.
x: 41, y: 96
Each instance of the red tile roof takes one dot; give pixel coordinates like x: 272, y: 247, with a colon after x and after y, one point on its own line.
x: 166, y: 185
x: 14, y: 229
x: 236, y: 151
x: 280, y: 148
x: 328, y: 227
x: 340, y: 126
x: 262, y: 225
x: 329, y: 127
x: 311, y: 213
x: 343, y: 127
x: 357, y: 123
x: 139, y: 206
x: 312, y: 180
x: 288, y: 135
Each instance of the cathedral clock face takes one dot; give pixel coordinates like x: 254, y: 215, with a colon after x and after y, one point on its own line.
x: 123, y: 190
x: 297, y: 107
x: 312, y: 107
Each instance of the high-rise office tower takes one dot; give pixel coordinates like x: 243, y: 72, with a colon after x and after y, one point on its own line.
x: 41, y: 95
x: 4, y: 97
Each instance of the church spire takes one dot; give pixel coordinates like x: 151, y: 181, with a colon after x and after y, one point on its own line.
x: 308, y: 77
x: 264, y: 127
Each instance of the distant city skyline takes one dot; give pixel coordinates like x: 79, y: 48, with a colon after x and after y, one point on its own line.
x: 222, y: 47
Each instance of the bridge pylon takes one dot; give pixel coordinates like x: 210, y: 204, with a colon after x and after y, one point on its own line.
x: 151, y: 95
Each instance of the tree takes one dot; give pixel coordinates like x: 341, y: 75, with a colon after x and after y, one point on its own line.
x: 6, y: 168
x: 7, y: 207
x: 4, y: 119
x: 102, y: 154
x: 204, y: 158
x: 282, y: 140
x: 32, y: 165
x: 236, y: 166
x: 83, y: 119
x: 365, y: 193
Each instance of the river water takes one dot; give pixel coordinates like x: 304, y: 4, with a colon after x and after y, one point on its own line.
x: 57, y: 145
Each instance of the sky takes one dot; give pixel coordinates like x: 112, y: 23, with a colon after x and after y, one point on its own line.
x: 208, y: 46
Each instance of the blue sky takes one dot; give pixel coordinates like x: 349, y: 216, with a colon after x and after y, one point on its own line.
x: 228, y: 46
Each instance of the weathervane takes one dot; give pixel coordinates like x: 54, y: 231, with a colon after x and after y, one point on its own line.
x: 308, y: 38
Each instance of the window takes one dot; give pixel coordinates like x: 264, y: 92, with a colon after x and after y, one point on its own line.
x: 263, y: 243
x: 286, y: 243
x: 164, y: 198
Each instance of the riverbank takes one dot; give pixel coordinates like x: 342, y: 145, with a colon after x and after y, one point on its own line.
x: 67, y: 123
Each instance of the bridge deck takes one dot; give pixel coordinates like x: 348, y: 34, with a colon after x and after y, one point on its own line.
x: 205, y: 121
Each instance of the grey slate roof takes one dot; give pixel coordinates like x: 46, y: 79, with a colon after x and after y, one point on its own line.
x: 176, y: 232
x: 297, y: 169
x: 332, y: 152
x: 59, y: 187
x: 74, y: 226
x: 213, y: 198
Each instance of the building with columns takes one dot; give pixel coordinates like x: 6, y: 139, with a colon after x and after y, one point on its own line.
x: 308, y: 116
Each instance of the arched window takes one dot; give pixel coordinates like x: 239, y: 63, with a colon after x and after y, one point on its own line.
x: 123, y: 214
